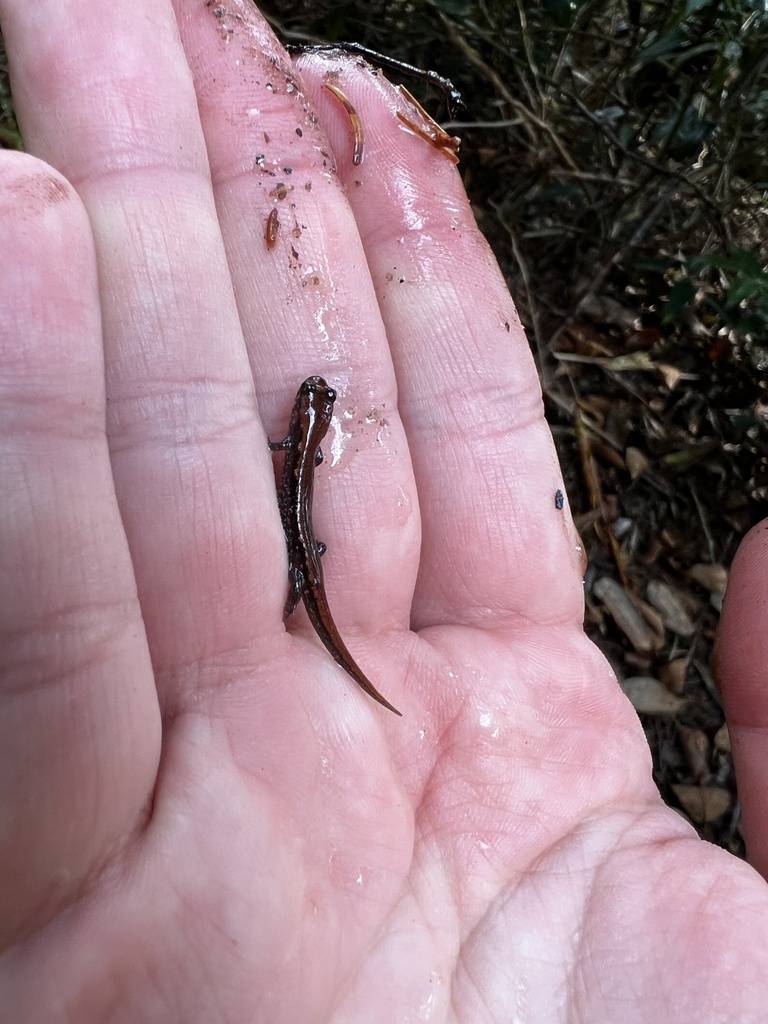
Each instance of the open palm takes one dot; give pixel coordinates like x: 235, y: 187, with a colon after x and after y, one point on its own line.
x: 204, y: 819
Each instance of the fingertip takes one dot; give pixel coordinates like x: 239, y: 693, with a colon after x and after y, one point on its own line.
x: 50, y: 328
x: 741, y: 648
x: 739, y: 663
x: 49, y: 261
x: 31, y: 189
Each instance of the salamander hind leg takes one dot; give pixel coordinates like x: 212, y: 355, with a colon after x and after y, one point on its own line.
x: 280, y: 446
x: 296, y: 584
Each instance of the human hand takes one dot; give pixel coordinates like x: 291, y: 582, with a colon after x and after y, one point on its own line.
x: 204, y: 819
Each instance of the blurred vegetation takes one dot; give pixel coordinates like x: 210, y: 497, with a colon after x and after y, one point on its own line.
x: 9, y: 130
x: 615, y: 154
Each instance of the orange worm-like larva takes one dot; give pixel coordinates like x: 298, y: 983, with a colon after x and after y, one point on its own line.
x: 432, y: 132
x: 273, y: 226
x: 354, y: 117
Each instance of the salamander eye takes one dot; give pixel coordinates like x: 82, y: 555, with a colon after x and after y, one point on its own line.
x: 311, y: 384
x: 330, y: 394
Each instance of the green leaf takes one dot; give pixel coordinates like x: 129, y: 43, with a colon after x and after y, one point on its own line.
x: 744, y: 289
x: 679, y: 296
x: 692, y: 6
x: 661, y: 46
x: 739, y: 261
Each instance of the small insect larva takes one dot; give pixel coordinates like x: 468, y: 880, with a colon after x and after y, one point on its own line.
x: 436, y: 143
x: 432, y: 133
x: 354, y: 117
x: 281, y: 190
x: 451, y: 142
x: 273, y: 226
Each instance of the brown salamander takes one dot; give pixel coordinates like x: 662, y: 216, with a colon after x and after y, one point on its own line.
x: 310, y: 420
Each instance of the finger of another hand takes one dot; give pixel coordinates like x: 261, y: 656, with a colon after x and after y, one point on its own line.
x: 740, y: 659
x: 79, y: 722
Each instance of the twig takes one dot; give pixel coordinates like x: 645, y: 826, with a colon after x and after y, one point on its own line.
x: 634, y: 155
x: 451, y: 93
x: 527, y: 117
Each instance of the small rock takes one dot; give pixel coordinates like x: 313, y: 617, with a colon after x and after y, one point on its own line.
x: 637, y: 462
x: 713, y: 578
x: 703, y: 804
x: 650, y: 697
x: 654, y: 620
x: 673, y: 675
x: 723, y: 740
x: 696, y: 747
x: 621, y: 527
x: 625, y: 615
x: 669, y: 605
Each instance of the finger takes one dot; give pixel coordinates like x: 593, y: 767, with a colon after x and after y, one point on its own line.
x: 194, y: 478
x: 79, y: 724
x: 741, y: 654
x: 307, y: 304
x: 494, y: 542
